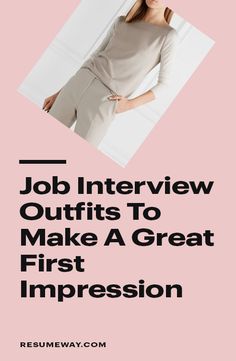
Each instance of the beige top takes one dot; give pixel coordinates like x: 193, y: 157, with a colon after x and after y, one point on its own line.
x: 129, y: 51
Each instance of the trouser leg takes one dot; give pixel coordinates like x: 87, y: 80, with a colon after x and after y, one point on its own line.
x: 84, y: 99
x: 95, y: 113
x: 64, y: 108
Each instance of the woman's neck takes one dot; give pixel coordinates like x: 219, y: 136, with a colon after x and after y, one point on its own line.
x: 156, y: 16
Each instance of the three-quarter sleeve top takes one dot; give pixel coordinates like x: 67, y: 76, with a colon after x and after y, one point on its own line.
x: 130, y: 51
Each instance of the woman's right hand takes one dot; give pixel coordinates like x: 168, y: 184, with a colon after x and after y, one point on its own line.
x: 48, y: 102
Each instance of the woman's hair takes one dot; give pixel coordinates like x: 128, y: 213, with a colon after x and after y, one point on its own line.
x: 139, y: 9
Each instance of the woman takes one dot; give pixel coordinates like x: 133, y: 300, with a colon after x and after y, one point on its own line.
x: 133, y: 46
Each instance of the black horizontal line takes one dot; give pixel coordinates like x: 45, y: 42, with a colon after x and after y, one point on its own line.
x: 42, y: 161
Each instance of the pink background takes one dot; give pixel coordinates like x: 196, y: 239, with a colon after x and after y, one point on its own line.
x: 193, y: 141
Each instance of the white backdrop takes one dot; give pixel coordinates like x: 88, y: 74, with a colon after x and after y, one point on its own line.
x: 79, y: 37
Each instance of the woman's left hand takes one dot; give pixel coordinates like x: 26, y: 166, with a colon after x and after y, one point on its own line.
x: 123, y: 103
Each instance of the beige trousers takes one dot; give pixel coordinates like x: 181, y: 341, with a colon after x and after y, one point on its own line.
x: 84, y: 100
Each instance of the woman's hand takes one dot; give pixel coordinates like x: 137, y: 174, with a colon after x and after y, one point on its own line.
x: 48, y: 102
x: 123, y: 103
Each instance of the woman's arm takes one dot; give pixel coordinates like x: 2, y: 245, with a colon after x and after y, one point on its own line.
x: 48, y: 102
x: 167, y: 61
